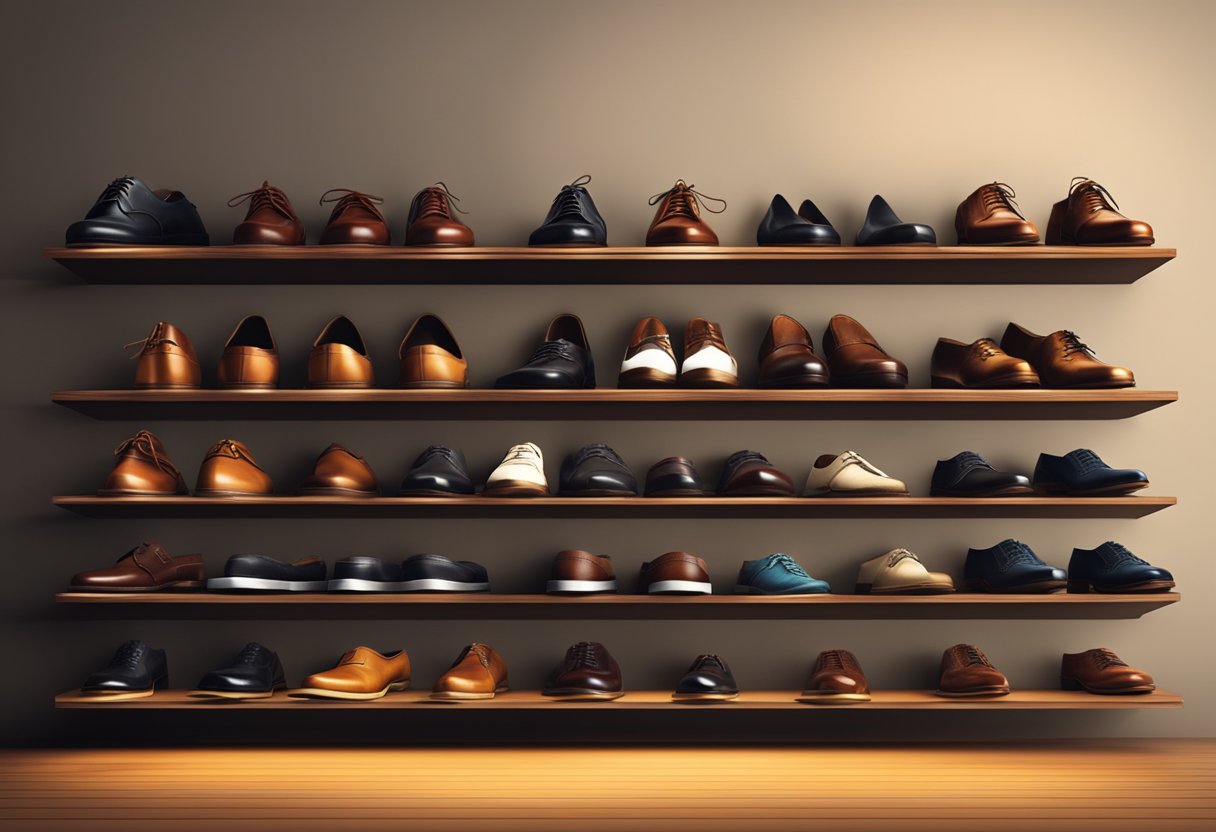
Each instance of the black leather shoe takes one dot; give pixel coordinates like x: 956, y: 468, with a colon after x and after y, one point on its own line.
x: 782, y: 227
x: 708, y: 679
x: 1082, y: 473
x: 135, y: 672
x: 255, y: 673
x: 572, y: 220
x: 675, y: 476
x: 436, y: 573
x: 1112, y: 567
x: 968, y: 474
x: 562, y: 361
x: 883, y: 228
x: 438, y: 471
x: 1010, y: 566
x: 597, y: 471
x: 364, y: 574
x: 259, y: 573
x: 129, y: 213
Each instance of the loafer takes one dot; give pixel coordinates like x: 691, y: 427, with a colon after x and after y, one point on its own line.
x: 675, y: 573
x: 966, y: 671
x: 229, y: 470
x: 520, y: 474
x: 439, y: 471
x: 883, y: 228
x: 597, y: 471
x: 777, y: 574
x: 355, y: 219
x: 836, y: 679
x: 479, y: 672
x: 850, y: 475
x: 338, y: 359
x: 1101, y: 671
x: 562, y: 362
x: 708, y: 680
x: 649, y: 359
x: 365, y: 574
x: 436, y: 573
x: 135, y: 672
x: 340, y: 472
x: 980, y: 365
x: 142, y: 468
x: 675, y: 476
x: 1112, y: 567
x: 1063, y: 361
x: 167, y: 360
x: 1082, y: 473
x: 250, y: 360
x: 678, y: 222
x: 782, y: 226
x: 433, y: 221
x: 856, y: 359
x: 573, y: 219
x: 129, y: 213
x: 588, y: 672
x: 1089, y: 216
x: 750, y: 474
x: 707, y: 360
x: 146, y: 568
x: 576, y: 572
x: 255, y: 673
x: 270, y: 219
x: 1010, y: 566
x: 361, y: 675
x: 991, y: 217
x: 430, y: 358
x: 967, y: 474
x: 259, y: 573
x: 900, y: 572
x: 787, y: 357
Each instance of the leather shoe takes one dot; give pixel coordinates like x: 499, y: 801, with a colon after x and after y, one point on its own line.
x: 708, y: 680
x: 596, y: 471
x: 1101, y: 671
x: 432, y: 221
x: 750, y: 474
x: 255, y: 673
x: 250, y: 360
x: 135, y: 672
x: 439, y: 471
x: 649, y: 359
x: 836, y: 679
x: 781, y: 226
x: 1063, y: 361
x: 883, y: 228
x: 967, y: 474
x: 340, y: 472
x: 587, y: 672
x: 1089, y: 216
x: 1082, y: 473
x: 338, y: 359
x: 777, y: 574
x: 966, y: 671
x: 143, y: 469
x: 856, y: 359
x: 430, y: 357
x: 787, y: 356
x: 990, y: 217
x: 259, y: 573
x: 707, y: 360
x: 520, y: 474
x: 362, y: 674
x: 1112, y: 567
x: 438, y: 573
x: 675, y: 573
x: 981, y: 365
x: 355, y: 219
x: 677, y: 222
x: 675, y: 476
x: 1010, y: 566
x: 229, y: 470
x: 573, y: 219
x: 147, y: 568
x: 270, y: 220
x: 563, y: 360
x: 167, y: 360
x: 577, y: 572
x: 479, y: 672
x: 129, y: 213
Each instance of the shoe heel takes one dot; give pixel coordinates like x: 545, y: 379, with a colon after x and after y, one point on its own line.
x: 1079, y: 587
x: 1069, y: 684
x: 1055, y: 225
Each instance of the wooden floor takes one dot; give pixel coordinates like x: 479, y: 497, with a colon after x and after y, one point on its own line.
x: 1156, y: 786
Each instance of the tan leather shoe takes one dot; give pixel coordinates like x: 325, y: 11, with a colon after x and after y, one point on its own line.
x: 361, y: 674
x: 1101, y: 671
x: 251, y: 358
x: 355, y: 219
x: 229, y: 470
x: 677, y: 222
x: 1089, y: 216
x: 836, y: 679
x: 166, y: 360
x: 339, y: 357
x: 900, y: 572
x: 340, y: 472
x: 981, y: 365
x: 147, y: 568
x: 966, y: 671
x: 1061, y: 360
x: 856, y: 359
x: 270, y: 220
x: 432, y: 221
x: 430, y: 356
x: 143, y: 469
x: 990, y: 217
x: 478, y: 673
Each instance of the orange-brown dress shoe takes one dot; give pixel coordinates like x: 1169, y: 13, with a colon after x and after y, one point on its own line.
x: 979, y: 365
x: 339, y: 358
x: 677, y: 222
x: 166, y: 360
x: 478, y: 673
x: 966, y: 671
x: 361, y: 674
x: 1062, y: 360
x: 355, y: 219
x: 836, y: 679
x: 1089, y: 216
x: 270, y: 220
x: 250, y: 360
x: 147, y: 568
x: 990, y: 217
x: 340, y: 472
x: 432, y: 221
x: 430, y: 356
x: 143, y: 469
x: 1101, y: 671
x: 229, y: 470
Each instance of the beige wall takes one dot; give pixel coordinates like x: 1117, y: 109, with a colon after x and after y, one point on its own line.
x: 508, y: 101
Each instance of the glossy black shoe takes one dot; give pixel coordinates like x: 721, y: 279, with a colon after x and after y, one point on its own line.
x: 883, y: 228
x: 364, y: 574
x: 255, y: 673
x: 675, y: 476
x: 1113, y: 568
x: 563, y: 360
x: 808, y: 227
x: 135, y: 672
x: 129, y: 213
x: 436, y: 573
x: 572, y: 220
x: 439, y: 471
x: 968, y: 474
x: 1010, y: 566
x: 708, y: 680
x: 597, y: 471
x: 1082, y: 473
x: 259, y: 573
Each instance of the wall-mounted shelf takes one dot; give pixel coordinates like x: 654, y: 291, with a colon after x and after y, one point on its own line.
x: 612, y: 403
x: 612, y: 265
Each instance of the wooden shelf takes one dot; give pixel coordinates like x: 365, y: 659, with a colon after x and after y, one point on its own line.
x: 889, y: 700
x: 612, y: 265
x: 726, y: 508
x: 508, y: 606
x: 611, y: 403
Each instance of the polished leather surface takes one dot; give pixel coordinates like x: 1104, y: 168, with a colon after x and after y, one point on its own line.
x: 967, y: 474
x: 362, y: 673
x: 588, y: 670
x: 440, y: 573
x: 229, y: 470
x: 339, y: 471
x: 783, y: 226
x: 708, y: 677
x: 1010, y: 566
x: 142, y: 468
x: 270, y: 219
x: 883, y: 228
x: 250, y: 359
x: 980, y: 365
x: 678, y: 222
x: 787, y: 357
x: 675, y: 476
x: 1062, y: 360
x: 135, y: 668
x: 856, y: 359
x: 433, y: 220
x: 649, y: 335
x: 147, y: 568
x: 255, y: 671
x: 363, y: 568
x: 1082, y: 473
x: 355, y: 219
x: 991, y: 217
x: 596, y: 471
x: 683, y: 571
x: 701, y: 334
x: 1089, y: 216
x: 479, y: 672
x: 750, y: 474
x: 576, y: 570
x: 1112, y: 567
x: 777, y: 574
x: 307, y: 569
x: 430, y: 357
x: 129, y: 213
x: 573, y: 219
x: 167, y: 360
x: 563, y: 360
x: 836, y: 676
x: 1100, y: 671
x: 966, y: 671
x: 338, y: 358
x: 438, y: 471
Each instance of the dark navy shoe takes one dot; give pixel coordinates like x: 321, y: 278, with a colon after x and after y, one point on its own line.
x: 1113, y: 568
x: 808, y: 227
x: 968, y: 474
x: 1010, y: 566
x: 573, y: 219
x: 708, y: 679
x: 129, y: 213
x: 436, y: 573
x: 777, y: 574
x: 1081, y: 473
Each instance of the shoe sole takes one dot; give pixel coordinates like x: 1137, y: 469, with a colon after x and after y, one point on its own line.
x: 231, y: 694
x: 644, y: 377
x: 860, y: 492
x: 265, y: 585
x: 434, y: 385
x: 871, y: 380
x: 1068, y: 683
x: 337, y: 492
x: 745, y: 589
x: 679, y: 492
x: 441, y: 585
x: 363, y: 585
x: 599, y: 492
x: 575, y: 695
x: 579, y: 587
x: 515, y: 488
x: 708, y: 377
x: 322, y: 693
x: 993, y: 690
x: 1023, y: 589
x: 814, y: 698
x: 759, y: 491
x: 1076, y: 587
x: 435, y: 492
x: 682, y: 587
x: 459, y: 696
x: 909, y: 589
x: 126, y: 492
x: 793, y: 382
x: 176, y: 586
x: 340, y: 385
x: 1006, y: 381
x: 1108, y: 491
x: 216, y: 492
x: 1008, y: 491
x: 704, y: 697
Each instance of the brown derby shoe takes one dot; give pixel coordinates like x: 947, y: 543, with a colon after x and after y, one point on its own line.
x: 229, y: 470
x: 677, y: 222
x: 479, y: 672
x: 979, y: 365
x: 355, y: 219
x: 270, y: 220
x: 836, y: 679
x: 966, y: 671
x: 338, y: 358
x: 787, y: 356
x: 361, y: 674
x: 1061, y: 360
x: 146, y: 568
x: 578, y: 572
x: 990, y: 217
x: 587, y: 672
x: 856, y: 359
x: 430, y: 357
x: 675, y: 573
x: 340, y: 472
x: 166, y: 360
x: 143, y: 469
x: 250, y: 359
x: 432, y: 221
x: 1089, y: 216
x: 1101, y: 671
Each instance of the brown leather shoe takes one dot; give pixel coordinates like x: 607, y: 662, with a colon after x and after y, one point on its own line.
x: 1061, y: 360
x: 143, y: 469
x: 707, y: 360
x: 578, y: 572
x: 355, y: 219
x: 1101, y: 671
x: 250, y: 360
x: 361, y: 674
x: 678, y: 221
x: 479, y: 672
x: 588, y: 672
x: 649, y: 359
x: 432, y: 221
x: 146, y: 568
x: 836, y: 679
x: 750, y: 474
x: 980, y: 365
x: 966, y: 671
x: 229, y: 470
x: 270, y: 220
x: 675, y: 573
x: 166, y: 360
x: 675, y: 476
x: 1089, y: 216
x: 339, y: 358
x: 340, y: 472
x: 990, y: 217
x: 787, y: 356
x: 856, y: 359
x: 430, y: 356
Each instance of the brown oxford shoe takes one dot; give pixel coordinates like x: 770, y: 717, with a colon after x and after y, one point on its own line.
x: 1101, y: 671
x: 479, y: 672
x: 750, y: 474
x: 979, y: 365
x: 836, y: 679
x: 338, y: 358
x: 856, y: 359
x: 270, y: 220
x: 966, y: 671
x: 990, y: 217
x: 250, y: 359
x: 361, y: 674
x: 787, y: 356
x: 1061, y: 360
x: 578, y: 572
x: 166, y: 360
x: 1089, y: 216
x: 355, y: 219
x: 143, y: 469
x: 588, y: 672
x: 146, y: 568
x: 340, y: 472
x: 432, y: 221
x: 229, y: 470
x: 675, y: 573
x: 677, y: 222
x: 430, y: 356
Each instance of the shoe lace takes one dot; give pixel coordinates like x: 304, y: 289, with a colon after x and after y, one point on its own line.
x: 120, y: 187
x: 739, y: 457
x: 267, y: 196
x: 1014, y: 553
x: 552, y: 349
x: 567, y: 200
x: 901, y: 554
x: 433, y: 451
x: 1000, y: 195
x: 1094, y: 197
x: 250, y: 654
x: 520, y: 452
x: 832, y: 660
x: 144, y: 443
x: 970, y: 459
x: 684, y: 201
x: 1074, y: 344
x: 583, y: 654
x: 438, y: 200
x: 594, y: 450
x: 1084, y: 460
x: 128, y: 654
x: 148, y: 343
x: 972, y: 655
x: 1104, y: 658
x: 346, y: 199
x: 792, y: 566
x: 1113, y: 554
x: 987, y: 348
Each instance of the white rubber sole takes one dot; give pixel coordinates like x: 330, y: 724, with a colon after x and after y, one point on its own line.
x: 580, y: 586
x: 438, y: 585
x: 361, y: 585
x: 266, y: 585
x: 695, y: 587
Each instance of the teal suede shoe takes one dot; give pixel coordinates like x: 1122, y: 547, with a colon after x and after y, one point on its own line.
x: 777, y: 574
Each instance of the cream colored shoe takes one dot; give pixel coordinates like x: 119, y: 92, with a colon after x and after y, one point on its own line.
x: 520, y: 474
x: 900, y: 572
x: 849, y: 475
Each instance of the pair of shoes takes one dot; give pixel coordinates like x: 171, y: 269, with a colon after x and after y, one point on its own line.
x: 429, y: 357
x: 750, y: 474
x: 1087, y: 216
x: 362, y: 674
x: 1079, y: 473
x: 1012, y: 566
x: 650, y: 360
x: 782, y: 226
x: 593, y: 471
x: 419, y: 573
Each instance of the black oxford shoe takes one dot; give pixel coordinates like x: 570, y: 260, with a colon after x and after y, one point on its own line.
x: 562, y: 361
x: 597, y: 471
x: 129, y: 213
x: 708, y: 679
x: 808, y: 227
x: 255, y: 673
x: 437, y: 472
x: 573, y: 219
x: 135, y: 671
x: 883, y: 228
x: 967, y: 474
